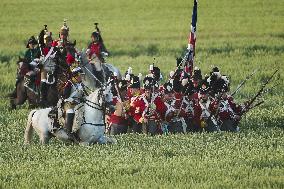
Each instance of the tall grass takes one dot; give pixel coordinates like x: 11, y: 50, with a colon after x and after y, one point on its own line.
x: 238, y: 36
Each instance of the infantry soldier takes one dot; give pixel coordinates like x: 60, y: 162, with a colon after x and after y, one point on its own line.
x: 228, y: 111
x: 178, y: 109
x: 204, y: 110
x: 150, y: 108
x: 118, y: 123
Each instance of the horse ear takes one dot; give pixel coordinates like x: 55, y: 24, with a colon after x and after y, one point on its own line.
x: 74, y: 43
x: 19, y: 58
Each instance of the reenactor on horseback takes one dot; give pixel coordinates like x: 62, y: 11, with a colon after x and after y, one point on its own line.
x: 30, y: 60
x: 73, y: 94
x: 96, y: 52
x: 48, y: 53
x: 63, y: 40
x: 32, y: 56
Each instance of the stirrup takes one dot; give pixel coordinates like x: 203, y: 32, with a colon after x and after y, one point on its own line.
x: 73, y: 138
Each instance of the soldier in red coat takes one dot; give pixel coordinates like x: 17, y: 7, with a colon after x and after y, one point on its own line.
x: 133, y: 95
x: 118, y: 122
x: 177, y: 110
x: 149, y: 108
x: 204, y: 110
x: 228, y: 111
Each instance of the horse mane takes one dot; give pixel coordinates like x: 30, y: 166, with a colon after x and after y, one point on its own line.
x: 94, y: 94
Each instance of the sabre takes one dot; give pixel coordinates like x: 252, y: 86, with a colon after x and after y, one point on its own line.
x: 243, y: 82
x: 94, y: 76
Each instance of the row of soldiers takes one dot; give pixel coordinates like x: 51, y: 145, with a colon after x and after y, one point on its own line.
x: 183, y: 104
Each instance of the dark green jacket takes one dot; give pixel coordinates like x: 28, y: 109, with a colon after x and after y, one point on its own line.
x: 31, y: 54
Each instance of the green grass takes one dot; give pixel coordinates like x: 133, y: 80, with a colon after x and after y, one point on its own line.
x: 238, y: 36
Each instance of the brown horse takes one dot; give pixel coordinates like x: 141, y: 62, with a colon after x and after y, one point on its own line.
x: 22, y: 93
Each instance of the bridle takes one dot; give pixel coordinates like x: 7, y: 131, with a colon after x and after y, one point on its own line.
x: 97, y: 106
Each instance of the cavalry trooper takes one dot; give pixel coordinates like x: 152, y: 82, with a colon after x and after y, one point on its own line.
x: 97, y: 47
x: 118, y: 122
x: 96, y: 52
x: 48, y: 53
x: 150, y: 109
x: 32, y: 56
x: 204, y: 110
x: 63, y: 36
x: 73, y: 93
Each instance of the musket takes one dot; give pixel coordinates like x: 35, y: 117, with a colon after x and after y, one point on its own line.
x: 215, y: 114
x: 116, y: 88
x: 260, y: 90
x: 260, y: 102
x: 243, y: 82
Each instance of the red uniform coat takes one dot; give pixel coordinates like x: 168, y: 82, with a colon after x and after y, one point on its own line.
x: 228, y: 109
x: 115, y: 119
x: 142, y: 108
x: 203, y: 111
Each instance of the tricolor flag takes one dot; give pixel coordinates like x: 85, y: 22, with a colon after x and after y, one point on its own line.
x: 188, y: 59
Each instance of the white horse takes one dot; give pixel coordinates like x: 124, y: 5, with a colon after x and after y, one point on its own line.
x: 88, y: 67
x: 91, y: 126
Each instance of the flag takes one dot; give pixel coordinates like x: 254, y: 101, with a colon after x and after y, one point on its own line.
x: 188, y: 59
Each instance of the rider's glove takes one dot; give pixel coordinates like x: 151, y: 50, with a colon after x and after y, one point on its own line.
x: 105, y: 54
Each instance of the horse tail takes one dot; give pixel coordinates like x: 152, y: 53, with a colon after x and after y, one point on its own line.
x: 29, y: 128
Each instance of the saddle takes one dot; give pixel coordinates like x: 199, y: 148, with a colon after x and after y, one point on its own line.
x: 57, y: 117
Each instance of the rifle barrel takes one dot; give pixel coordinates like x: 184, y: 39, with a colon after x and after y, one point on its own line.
x: 243, y: 82
x: 261, y: 89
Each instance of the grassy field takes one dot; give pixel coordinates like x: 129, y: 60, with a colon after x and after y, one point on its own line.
x: 238, y: 36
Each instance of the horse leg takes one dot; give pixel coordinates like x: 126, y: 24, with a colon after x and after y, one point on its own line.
x: 44, y: 138
x: 107, y: 140
x: 21, y: 95
x: 89, y: 142
x: 29, y: 128
x: 61, y: 135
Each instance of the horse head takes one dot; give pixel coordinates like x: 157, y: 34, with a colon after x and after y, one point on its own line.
x: 23, y: 66
x: 102, y: 98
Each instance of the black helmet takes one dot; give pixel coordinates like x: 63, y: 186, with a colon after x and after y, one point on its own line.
x: 122, y: 85
x: 31, y: 40
x: 168, y: 88
x: 96, y: 35
x: 135, y: 82
x: 148, y: 82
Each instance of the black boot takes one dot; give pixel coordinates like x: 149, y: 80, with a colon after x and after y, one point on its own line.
x: 43, y: 94
x: 69, y: 119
